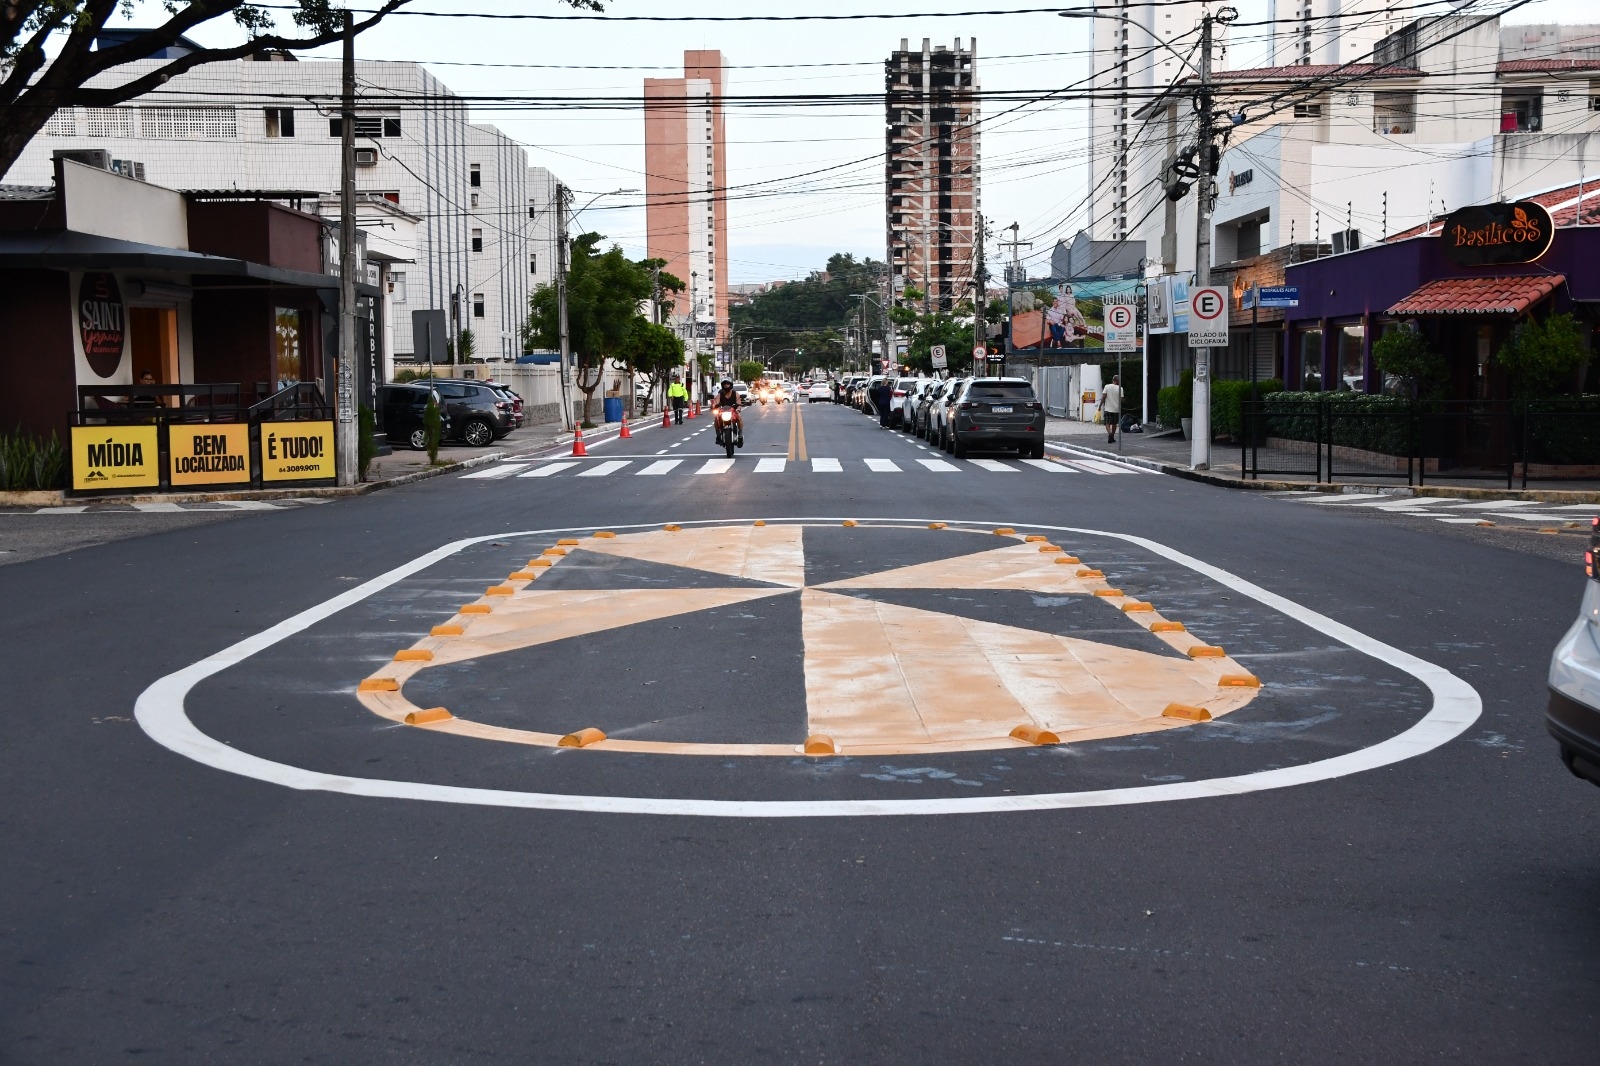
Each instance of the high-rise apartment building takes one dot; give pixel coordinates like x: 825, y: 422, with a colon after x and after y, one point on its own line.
x: 686, y: 219
x: 932, y: 163
x: 1333, y: 31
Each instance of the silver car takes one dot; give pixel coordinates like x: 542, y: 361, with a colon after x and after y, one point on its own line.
x: 1573, y: 714
x: 939, y: 416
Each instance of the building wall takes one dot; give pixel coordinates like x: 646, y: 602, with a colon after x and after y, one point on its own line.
x: 36, y: 351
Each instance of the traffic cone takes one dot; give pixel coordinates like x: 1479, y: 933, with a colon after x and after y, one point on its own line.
x: 666, y: 417
x: 577, y: 442
x: 624, y: 435
x: 694, y: 409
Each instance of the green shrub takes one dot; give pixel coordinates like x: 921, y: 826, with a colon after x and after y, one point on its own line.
x: 366, y: 442
x: 1405, y: 354
x: 1169, y: 406
x: 29, y: 463
x: 1544, y: 358
x: 1227, y: 404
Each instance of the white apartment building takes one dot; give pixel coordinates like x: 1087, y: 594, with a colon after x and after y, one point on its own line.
x: 272, y: 125
x: 1335, y: 31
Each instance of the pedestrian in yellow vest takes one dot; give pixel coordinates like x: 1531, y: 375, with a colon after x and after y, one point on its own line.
x: 678, y: 397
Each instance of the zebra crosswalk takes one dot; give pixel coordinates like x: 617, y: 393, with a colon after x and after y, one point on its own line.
x: 653, y: 467
x: 1547, y: 517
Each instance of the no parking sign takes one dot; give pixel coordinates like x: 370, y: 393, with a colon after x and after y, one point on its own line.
x: 1208, y: 318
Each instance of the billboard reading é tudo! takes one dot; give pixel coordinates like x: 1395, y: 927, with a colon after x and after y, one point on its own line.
x: 296, y: 451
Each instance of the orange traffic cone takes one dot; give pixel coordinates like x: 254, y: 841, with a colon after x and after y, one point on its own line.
x: 694, y: 409
x: 577, y: 442
x: 624, y: 435
x: 666, y: 418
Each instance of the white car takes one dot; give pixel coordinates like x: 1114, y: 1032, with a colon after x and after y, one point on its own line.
x: 1573, y: 714
x: 819, y: 390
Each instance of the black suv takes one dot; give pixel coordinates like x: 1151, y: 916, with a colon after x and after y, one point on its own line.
x: 402, y: 407
x: 480, y: 414
x: 998, y: 413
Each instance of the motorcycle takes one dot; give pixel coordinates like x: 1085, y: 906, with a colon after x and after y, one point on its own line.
x: 730, y: 429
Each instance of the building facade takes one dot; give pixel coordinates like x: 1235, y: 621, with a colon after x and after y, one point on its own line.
x: 686, y: 218
x: 933, y: 173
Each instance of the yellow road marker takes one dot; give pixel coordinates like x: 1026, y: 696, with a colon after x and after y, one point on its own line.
x: 1167, y: 627
x: 850, y: 522
x: 1238, y: 681
x: 378, y: 684
x: 1048, y: 549
x: 671, y: 528
x: 432, y: 714
x: 475, y: 608
x: 605, y: 534
x: 445, y: 631
x: 541, y: 562
x: 759, y: 522
x: 567, y: 543
x: 413, y: 655
x: 581, y: 739
x: 936, y: 525
x: 554, y: 552
x: 1069, y: 560
x: 1005, y: 531
x: 522, y: 575
x: 1206, y: 651
x: 499, y: 590
x: 1108, y: 592
x: 1185, y: 711
x: 800, y: 443
x: 1136, y: 605
x: 820, y: 744
x: 1032, y: 734
x: 1090, y: 573
x: 1549, y: 531
x: 1485, y: 523
x: 1034, y: 538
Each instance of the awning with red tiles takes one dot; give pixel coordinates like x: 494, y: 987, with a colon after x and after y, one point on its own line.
x: 1478, y: 296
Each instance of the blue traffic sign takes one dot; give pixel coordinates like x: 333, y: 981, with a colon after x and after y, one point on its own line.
x: 1278, y: 295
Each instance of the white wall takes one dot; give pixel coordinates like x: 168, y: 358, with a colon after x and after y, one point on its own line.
x: 109, y: 205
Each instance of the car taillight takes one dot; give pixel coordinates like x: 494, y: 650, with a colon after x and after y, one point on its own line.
x: 966, y: 405
x: 899, y: 392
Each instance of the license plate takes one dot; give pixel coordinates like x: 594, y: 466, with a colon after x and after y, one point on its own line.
x: 1000, y: 410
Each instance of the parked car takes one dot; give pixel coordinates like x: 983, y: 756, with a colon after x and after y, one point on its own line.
x: 479, y: 413
x: 921, y: 414
x: 848, y: 393
x: 997, y: 413
x: 1573, y: 714
x: 906, y: 405
x: 940, y: 414
x: 819, y: 390
x: 518, y: 415
x: 898, y: 388
x: 402, y: 408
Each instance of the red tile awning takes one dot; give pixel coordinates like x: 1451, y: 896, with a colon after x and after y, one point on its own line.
x: 1478, y: 296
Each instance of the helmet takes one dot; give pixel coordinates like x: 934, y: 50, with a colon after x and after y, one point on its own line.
x: 727, y: 383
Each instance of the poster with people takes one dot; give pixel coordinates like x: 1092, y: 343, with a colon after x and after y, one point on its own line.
x: 1063, y: 315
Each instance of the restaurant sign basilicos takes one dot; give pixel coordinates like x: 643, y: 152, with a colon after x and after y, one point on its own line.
x: 1496, y: 234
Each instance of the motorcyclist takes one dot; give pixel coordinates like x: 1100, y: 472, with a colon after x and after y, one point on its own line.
x: 727, y: 398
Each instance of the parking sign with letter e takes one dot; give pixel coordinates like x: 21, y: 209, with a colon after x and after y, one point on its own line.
x: 1208, y: 318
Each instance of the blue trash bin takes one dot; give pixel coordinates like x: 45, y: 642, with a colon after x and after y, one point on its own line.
x: 613, y: 408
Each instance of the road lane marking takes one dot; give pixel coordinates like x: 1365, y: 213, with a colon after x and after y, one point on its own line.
x: 881, y: 466
x: 994, y: 466
x: 546, y: 471
x: 660, y: 466
x: 939, y: 466
x: 716, y: 466
x: 602, y: 470
x: 1052, y: 466
x: 1095, y: 466
x: 770, y: 465
x: 498, y: 471
x: 800, y: 421
x: 158, y: 508
x: 826, y: 466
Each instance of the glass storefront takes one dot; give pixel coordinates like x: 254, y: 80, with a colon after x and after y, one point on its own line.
x: 1309, y: 341
x: 1351, y: 339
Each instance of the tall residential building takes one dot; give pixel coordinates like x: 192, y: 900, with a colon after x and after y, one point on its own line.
x: 686, y: 219
x: 273, y: 126
x: 1334, y: 31
x: 932, y: 163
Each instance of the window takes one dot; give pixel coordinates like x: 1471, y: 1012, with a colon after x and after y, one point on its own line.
x: 474, y: 199
x: 475, y: 179
x: 367, y: 126
x: 64, y: 123
x: 477, y: 305
x: 477, y: 240
x: 1521, y: 110
x: 397, y: 287
x: 533, y: 264
x: 1394, y: 112
x: 286, y: 345
x: 1352, y: 357
x: 1594, y: 95
x: 1307, y: 110
x: 280, y: 122
x: 1310, y: 359
x: 391, y: 127
x: 189, y: 123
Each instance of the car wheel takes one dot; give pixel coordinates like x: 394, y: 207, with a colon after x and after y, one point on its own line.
x: 418, y: 439
x: 958, y: 447
x: 1036, y: 450
x: 477, y: 433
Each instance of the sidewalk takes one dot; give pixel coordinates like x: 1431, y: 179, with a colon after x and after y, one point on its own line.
x: 1168, y: 452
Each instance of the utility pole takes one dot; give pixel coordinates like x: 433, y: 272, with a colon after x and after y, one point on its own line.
x: 346, y: 446
x: 1014, y: 268
x: 562, y: 192
x: 980, y: 338
x: 1200, y: 414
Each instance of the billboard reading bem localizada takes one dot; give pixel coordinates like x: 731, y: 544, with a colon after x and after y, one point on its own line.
x: 296, y: 451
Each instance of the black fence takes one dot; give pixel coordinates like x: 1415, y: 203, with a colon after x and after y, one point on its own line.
x: 1367, y: 438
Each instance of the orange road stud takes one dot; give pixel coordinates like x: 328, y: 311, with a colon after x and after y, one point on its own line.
x: 624, y: 434
x: 1133, y: 606
x: 1069, y: 560
x: 429, y: 716
x: 581, y: 739
x: 413, y: 655
x: 1167, y: 627
x: 554, y: 553
x: 1186, y: 712
x: 446, y: 631
x: 1034, y: 538
x: 760, y: 522
x: 672, y: 528
x: 522, y: 575
x: 1048, y: 549
x: 849, y: 523
x: 378, y: 684
x: 541, y: 562
x: 1206, y: 651
x: 499, y: 590
x: 1005, y: 531
x: 1549, y: 530
x: 1485, y: 523
x: 577, y: 442
x: 567, y: 543
x: 1110, y: 593
x: 820, y: 744
x: 1032, y: 734
x: 1090, y: 573
x: 1238, y: 681
x: 475, y: 608
x: 605, y: 534
x: 936, y: 525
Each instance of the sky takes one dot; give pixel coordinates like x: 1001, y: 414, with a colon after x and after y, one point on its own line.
x: 1034, y: 158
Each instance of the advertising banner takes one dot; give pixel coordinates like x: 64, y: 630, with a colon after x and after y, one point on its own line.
x: 208, y: 455
x: 115, y: 457
x: 296, y: 451
x: 1065, y: 315
x: 1168, y: 298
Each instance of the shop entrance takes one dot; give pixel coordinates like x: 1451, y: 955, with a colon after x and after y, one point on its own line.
x: 153, y: 340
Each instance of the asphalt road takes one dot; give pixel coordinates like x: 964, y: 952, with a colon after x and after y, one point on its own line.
x: 1440, y: 907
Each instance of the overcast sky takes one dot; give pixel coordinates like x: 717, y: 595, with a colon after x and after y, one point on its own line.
x: 1033, y: 159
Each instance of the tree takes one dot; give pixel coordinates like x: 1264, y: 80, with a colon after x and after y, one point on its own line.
x: 604, y: 291
x: 1405, y: 354
x: 652, y: 352
x: 1544, y: 357
x: 797, y: 313
x: 750, y: 371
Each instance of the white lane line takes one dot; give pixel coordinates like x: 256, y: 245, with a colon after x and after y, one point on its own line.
x: 881, y: 466
x: 249, y: 505
x: 663, y: 451
x: 994, y: 466
x: 826, y: 466
x: 1053, y: 467
x: 680, y: 444
x: 1404, y: 503
x: 546, y: 471
x: 1458, y: 521
x: 716, y: 466
x: 499, y: 470
x: 78, y: 509
x: 770, y: 465
x: 161, y: 713
x: 158, y: 508
x: 603, y: 469
x: 1497, y: 505
x: 660, y: 466
x: 1095, y: 466
x: 1592, y: 507
x: 939, y: 466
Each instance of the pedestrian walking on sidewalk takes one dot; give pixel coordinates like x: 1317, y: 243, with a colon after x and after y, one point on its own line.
x: 678, y: 397
x: 1111, y: 407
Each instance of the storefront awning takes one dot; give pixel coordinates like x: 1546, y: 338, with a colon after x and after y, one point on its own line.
x: 1478, y: 296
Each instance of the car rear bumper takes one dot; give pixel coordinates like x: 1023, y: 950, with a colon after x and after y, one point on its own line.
x: 1576, y: 727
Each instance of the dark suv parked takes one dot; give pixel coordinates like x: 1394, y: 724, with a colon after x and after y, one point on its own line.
x: 479, y: 413
x: 402, y: 407
x: 998, y: 413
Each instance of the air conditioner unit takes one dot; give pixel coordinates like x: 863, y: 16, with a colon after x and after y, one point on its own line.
x: 1347, y: 240
x: 98, y: 158
x: 366, y: 157
x: 128, y: 168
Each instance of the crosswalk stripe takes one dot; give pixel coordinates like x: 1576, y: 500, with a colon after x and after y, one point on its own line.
x: 994, y: 466
x: 158, y: 508
x: 826, y: 466
x: 1095, y: 466
x: 546, y: 471
x: 499, y: 470
x: 1053, y: 467
x: 716, y: 466
x: 939, y: 466
x: 603, y: 469
x: 770, y: 465
x: 660, y: 466
x: 882, y: 466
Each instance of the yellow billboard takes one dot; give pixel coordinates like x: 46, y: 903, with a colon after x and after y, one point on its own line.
x: 115, y: 457
x: 296, y: 451
x: 208, y: 455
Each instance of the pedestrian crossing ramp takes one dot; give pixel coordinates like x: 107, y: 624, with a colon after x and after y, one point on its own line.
x: 683, y: 467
